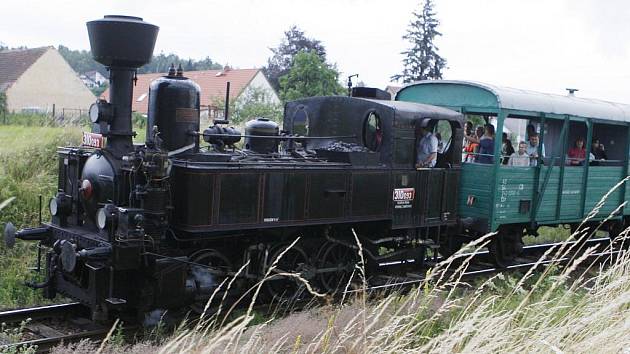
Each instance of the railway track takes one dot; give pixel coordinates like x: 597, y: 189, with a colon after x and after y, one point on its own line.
x: 480, y: 265
x: 48, y: 326
x: 44, y: 327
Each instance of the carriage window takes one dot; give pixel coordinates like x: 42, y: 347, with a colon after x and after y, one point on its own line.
x: 515, y: 144
x: 576, y: 144
x: 372, y: 132
x: 608, y: 145
x: 479, y: 138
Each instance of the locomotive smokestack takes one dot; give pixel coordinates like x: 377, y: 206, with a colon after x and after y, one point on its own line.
x: 122, y: 44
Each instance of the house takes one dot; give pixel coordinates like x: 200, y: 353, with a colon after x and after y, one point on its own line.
x: 93, y: 79
x: 393, y: 90
x: 243, y: 82
x: 96, y: 77
x: 40, y: 80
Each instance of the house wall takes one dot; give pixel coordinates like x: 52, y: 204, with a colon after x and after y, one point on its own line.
x: 260, y: 82
x: 50, y: 80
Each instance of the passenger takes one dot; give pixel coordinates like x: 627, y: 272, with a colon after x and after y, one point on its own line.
x: 473, y: 144
x: 598, y: 151
x: 520, y: 158
x: 440, y: 148
x: 426, y: 148
x: 468, y: 130
x: 486, y: 145
x: 506, y: 149
x: 530, y: 130
x: 577, y: 154
x: 532, y: 149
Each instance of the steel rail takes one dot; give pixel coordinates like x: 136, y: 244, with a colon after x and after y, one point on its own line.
x: 490, y: 270
x: 45, y: 344
x: 39, y: 312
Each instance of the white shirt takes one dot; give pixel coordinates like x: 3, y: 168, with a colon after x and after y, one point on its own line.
x: 426, y: 146
x: 533, y: 150
x: 518, y: 160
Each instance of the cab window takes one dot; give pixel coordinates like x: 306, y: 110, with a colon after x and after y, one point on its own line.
x: 372, y: 131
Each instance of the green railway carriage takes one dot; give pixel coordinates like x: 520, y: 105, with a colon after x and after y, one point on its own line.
x: 554, y: 190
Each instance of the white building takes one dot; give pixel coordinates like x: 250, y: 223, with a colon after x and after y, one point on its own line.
x: 40, y: 80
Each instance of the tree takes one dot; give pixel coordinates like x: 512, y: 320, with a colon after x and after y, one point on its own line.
x: 98, y: 90
x: 3, y: 103
x: 294, y: 42
x: 81, y: 61
x: 309, y: 76
x: 254, y: 102
x: 422, y: 60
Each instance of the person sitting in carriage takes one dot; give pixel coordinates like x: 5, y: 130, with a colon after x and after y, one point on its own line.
x: 577, y: 154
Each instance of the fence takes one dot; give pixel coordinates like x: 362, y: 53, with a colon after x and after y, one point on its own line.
x: 46, y: 116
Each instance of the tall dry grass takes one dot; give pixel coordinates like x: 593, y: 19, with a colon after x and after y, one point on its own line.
x: 572, y: 309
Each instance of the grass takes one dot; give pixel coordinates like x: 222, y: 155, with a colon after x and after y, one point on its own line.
x: 28, y: 168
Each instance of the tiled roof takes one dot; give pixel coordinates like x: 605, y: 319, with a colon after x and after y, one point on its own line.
x: 211, y: 83
x: 14, y: 62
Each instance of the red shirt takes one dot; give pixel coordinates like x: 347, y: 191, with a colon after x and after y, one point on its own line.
x: 577, y: 155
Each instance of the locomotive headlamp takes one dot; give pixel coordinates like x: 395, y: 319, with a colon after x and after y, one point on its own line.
x: 60, y: 205
x: 101, y: 111
x: 101, y: 218
x: 105, y: 216
x: 53, y: 206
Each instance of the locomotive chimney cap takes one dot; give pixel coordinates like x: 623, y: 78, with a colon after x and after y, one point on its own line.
x: 122, y: 41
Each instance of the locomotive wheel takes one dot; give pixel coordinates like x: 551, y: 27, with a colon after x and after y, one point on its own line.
x: 294, y: 260
x: 450, y: 245
x: 219, y: 264
x: 341, y: 257
x: 505, y: 247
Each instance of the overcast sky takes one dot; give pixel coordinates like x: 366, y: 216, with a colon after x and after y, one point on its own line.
x: 533, y: 44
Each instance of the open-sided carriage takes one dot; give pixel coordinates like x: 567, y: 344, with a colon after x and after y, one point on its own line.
x: 553, y: 190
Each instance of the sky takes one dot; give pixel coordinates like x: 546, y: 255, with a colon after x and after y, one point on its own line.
x: 544, y: 46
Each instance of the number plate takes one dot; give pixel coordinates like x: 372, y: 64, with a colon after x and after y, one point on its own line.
x: 403, y: 197
x: 92, y: 139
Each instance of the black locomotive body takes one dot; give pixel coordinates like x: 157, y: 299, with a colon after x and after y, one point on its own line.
x: 161, y: 225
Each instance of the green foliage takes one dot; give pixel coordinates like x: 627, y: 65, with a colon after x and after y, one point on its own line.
x: 98, y: 90
x: 28, y: 169
x: 29, y: 119
x: 280, y: 63
x: 138, y: 120
x: 422, y: 60
x: 256, y: 102
x: 3, y: 103
x: 161, y: 62
x: 81, y: 61
x: 309, y: 76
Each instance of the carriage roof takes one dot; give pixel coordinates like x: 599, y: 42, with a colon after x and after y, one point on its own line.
x: 472, y: 94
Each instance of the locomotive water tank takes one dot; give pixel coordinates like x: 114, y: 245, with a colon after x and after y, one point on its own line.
x: 174, y: 109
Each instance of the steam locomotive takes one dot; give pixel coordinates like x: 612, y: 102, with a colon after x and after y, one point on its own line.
x: 162, y: 225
